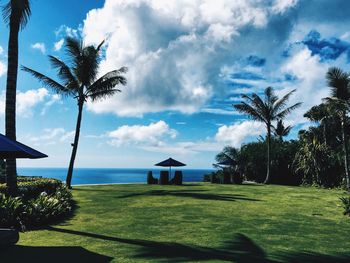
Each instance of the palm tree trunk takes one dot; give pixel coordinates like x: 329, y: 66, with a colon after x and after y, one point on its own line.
x: 268, y: 141
x: 10, y: 110
x: 345, y: 151
x: 75, y: 144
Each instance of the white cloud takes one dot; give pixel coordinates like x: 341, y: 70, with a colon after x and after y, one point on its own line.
x: 1, y: 50
x: 238, y: 133
x: 55, y: 98
x: 281, y: 6
x: 26, y: 101
x: 174, y: 49
x: 51, y: 136
x: 3, y: 68
x: 151, y: 134
x: 58, y: 45
x: 39, y: 46
x: 310, y: 86
x: 64, y: 31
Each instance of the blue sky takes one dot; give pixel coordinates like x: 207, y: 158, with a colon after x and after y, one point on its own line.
x: 188, y: 62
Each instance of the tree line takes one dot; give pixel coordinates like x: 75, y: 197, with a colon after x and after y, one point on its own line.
x: 318, y: 156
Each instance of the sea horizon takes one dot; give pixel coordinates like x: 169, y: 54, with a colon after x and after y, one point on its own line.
x: 100, y: 176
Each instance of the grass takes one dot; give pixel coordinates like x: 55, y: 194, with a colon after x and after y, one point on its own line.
x: 194, y: 223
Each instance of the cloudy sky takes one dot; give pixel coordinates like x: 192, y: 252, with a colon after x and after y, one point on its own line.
x: 188, y: 61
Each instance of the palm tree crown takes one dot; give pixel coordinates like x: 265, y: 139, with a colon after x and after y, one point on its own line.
x: 268, y: 109
x: 16, y: 12
x: 281, y: 130
x: 79, y: 80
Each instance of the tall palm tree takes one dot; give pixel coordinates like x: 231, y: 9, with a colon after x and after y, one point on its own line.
x: 281, y: 130
x: 266, y: 110
x: 339, y: 83
x: 79, y: 80
x: 16, y: 14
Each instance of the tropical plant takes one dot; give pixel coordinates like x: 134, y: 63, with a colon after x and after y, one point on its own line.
x: 339, y: 83
x: 266, y: 110
x: 227, y: 156
x: 346, y: 204
x: 80, y: 81
x: 16, y: 14
x: 314, y: 161
x: 281, y: 130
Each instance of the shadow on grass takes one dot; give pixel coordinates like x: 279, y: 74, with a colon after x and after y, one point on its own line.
x: 197, y: 194
x: 50, y: 254
x: 240, y: 249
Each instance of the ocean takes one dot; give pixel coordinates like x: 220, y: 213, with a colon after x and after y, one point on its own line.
x: 86, y: 176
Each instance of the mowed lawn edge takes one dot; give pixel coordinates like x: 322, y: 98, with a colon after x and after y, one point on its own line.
x: 200, y: 221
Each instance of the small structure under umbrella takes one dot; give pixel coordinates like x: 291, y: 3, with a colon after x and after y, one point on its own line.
x: 170, y: 162
x: 13, y: 149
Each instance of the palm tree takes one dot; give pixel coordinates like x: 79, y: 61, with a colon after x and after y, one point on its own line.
x: 339, y: 83
x: 79, y: 80
x: 281, y: 130
x: 16, y: 14
x: 321, y: 114
x: 266, y: 110
x: 228, y: 155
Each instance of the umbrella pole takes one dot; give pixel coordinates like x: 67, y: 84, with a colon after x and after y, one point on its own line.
x: 169, y: 173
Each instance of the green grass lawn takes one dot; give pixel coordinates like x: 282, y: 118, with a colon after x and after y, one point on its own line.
x: 193, y: 223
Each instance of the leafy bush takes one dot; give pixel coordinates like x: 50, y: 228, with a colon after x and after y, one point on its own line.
x: 46, y: 207
x: 32, y: 187
x: 11, y: 208
x: 346, y: 205
x: 20, y: 212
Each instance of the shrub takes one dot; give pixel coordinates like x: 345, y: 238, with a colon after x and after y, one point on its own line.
x: 46, y: 208
x: 19, y: 212
x: 32, y: 187
x: 346, y: 205
x: 11, y: 208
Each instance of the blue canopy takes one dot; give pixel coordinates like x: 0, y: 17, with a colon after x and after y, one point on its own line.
x: 170, y: 162
x: 14, y: 149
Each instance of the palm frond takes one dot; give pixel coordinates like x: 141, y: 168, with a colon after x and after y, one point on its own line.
x: 108, y: 81
x: 73, y: 48
x: 103, y: 94
x: 87, y: 69
x: 286, y: 111
x: 17, y: 11
x: 282, y: 102
x: 48, y: 82
x: 100, y: 45
x: 250, y: 111
x: 338, y: 81
x: 270, y: 96
x: 65, y: 74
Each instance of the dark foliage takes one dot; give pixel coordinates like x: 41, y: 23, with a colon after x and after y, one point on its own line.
x: 252, y: 161
x: 40, y: 202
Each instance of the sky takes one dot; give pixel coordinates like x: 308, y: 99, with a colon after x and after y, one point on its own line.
x: 188, y: 61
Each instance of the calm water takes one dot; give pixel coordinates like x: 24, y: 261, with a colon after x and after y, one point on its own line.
x: 109, y: 176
